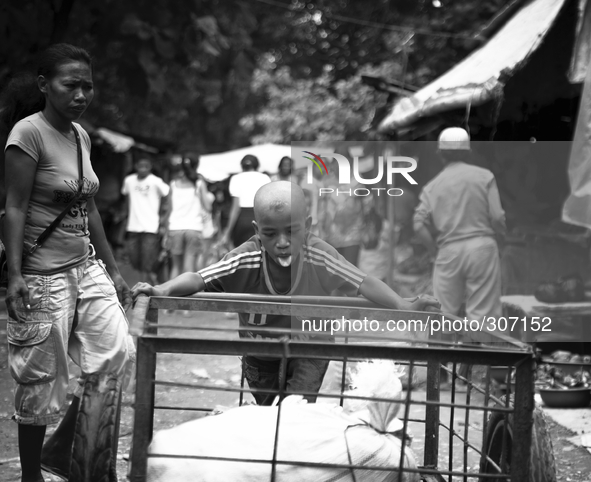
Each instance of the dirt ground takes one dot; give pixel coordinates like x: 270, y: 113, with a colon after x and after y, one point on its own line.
x: 573, y: 462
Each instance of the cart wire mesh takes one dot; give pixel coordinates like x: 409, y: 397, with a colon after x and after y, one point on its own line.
x: 452, y: 424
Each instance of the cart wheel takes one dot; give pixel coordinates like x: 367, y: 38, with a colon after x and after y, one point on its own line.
x: 92, y: 459
x: 542, y: 464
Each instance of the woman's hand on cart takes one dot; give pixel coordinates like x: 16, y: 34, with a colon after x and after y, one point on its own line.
x: 123, y: 291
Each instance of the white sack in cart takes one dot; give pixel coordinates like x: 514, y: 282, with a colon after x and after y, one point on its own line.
x: 311, y: 433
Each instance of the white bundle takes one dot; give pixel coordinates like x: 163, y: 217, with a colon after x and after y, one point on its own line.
x: 308, y: 433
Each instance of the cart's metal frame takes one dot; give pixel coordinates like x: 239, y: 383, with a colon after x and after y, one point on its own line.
x: 505, y: 351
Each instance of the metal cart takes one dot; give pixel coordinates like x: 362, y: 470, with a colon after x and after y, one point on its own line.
x: 471, y: 435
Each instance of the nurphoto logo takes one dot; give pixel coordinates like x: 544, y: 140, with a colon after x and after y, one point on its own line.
x: 392, y: 166
x: 315, y: 159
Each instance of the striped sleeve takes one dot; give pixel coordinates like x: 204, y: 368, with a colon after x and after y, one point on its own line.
x: 333, y: 270
x: 231, y: 265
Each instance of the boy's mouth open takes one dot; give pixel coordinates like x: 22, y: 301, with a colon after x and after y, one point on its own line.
x: 284, y: 260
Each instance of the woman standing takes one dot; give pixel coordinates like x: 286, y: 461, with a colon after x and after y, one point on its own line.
x: 188, y: 225
x: 65, y: 297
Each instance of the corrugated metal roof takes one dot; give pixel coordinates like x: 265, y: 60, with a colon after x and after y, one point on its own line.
x: 479, y: 77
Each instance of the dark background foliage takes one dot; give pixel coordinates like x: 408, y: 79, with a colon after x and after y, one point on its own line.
x: 202, y: 72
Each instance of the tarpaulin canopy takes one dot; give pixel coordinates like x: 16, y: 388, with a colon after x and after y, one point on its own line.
x: 219, y: 166
x: 577, y: 208
x: 582, y: 48
x: 480, y: 77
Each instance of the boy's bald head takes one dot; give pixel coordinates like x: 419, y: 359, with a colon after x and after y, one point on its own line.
x: 280, y: 221
x: 280, y: 196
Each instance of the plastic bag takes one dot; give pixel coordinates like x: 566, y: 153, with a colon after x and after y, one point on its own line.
x: 307, y: 433
x: 311, y: 433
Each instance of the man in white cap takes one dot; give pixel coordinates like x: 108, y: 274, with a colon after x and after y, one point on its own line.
x: 459, y: 218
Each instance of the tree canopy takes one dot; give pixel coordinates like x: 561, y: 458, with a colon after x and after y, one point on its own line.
x: 190, y: 70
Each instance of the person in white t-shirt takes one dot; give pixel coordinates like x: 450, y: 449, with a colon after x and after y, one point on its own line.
x: 190, y: 202
x: 146, y: 200
x: 243, y: 187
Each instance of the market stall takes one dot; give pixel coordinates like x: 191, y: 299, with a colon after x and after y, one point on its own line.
x: 519, y: 90
x: 549, y: 326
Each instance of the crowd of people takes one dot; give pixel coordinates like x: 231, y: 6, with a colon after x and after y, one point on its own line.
x: 67, y: 298
x: 189, y: 219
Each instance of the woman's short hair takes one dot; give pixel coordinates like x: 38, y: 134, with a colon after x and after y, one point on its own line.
x: 58, y: 54
x: 249, y: 163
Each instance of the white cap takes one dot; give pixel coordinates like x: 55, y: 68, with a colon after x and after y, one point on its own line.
x: 454, y: 138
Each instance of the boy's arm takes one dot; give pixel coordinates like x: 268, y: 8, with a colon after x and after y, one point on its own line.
x: 183, y: 285
x: 99, y: 240
x: 379, y: 292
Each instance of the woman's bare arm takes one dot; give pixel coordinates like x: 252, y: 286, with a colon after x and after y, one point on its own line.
x: 20, y: 177
x: 103, y: 252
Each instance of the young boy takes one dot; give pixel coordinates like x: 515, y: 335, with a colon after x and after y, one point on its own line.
x: 283, y: 258
x: 146, y: 201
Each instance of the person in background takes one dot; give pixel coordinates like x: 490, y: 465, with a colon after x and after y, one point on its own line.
x: 341, y: 217
x: 285, y: 171
x: 311, y: 191
x: 147, y: 197
x: 458, y: 219
x: 243, y: 187
x: 189, y: 201
x: 64, y: 300
x: 220, y: 214
x: 222, y: 204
